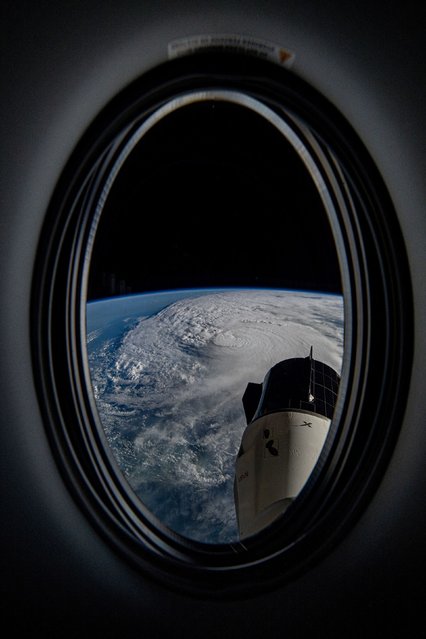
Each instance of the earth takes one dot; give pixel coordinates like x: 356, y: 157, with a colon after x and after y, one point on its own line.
x: 168, y: 372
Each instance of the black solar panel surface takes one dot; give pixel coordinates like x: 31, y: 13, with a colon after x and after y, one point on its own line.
x: 300, y: 383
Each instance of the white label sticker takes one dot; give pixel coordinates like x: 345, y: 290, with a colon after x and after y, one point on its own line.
x: 232, y: 42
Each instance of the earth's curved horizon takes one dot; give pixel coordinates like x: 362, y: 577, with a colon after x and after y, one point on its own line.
x: 169, y: 370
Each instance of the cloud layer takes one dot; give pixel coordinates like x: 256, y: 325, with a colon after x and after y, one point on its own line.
x: 169, y: 392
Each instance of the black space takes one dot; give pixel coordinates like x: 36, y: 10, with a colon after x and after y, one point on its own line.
x: 213, y: 195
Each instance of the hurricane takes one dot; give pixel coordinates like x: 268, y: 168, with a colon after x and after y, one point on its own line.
x: 168, y: 375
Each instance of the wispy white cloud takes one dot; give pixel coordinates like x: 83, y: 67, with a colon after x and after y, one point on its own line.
x: 169, y: 393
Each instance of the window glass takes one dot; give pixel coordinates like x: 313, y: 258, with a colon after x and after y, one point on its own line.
x: 213, y: 261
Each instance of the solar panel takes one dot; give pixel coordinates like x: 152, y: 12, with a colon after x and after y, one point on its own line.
x: 298, y: 383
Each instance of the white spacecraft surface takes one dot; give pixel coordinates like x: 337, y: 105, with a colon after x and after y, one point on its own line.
x: 288, y: 418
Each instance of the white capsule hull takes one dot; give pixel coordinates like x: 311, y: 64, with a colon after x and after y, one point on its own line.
x: 278, y: 453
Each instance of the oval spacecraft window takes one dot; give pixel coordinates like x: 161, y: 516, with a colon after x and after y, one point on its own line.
x: 220, y: 272
x: 215, y: 320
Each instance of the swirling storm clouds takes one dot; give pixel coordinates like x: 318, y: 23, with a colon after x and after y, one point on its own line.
x: 168, y: 385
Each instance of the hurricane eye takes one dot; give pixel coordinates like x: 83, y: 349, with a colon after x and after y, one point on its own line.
x: 214, y: 313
